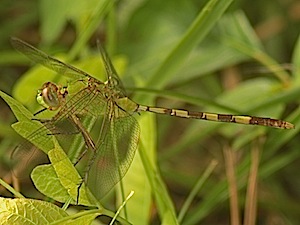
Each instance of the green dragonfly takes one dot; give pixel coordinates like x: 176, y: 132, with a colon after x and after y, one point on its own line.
x: 110, y: 156
x: 119, y: 133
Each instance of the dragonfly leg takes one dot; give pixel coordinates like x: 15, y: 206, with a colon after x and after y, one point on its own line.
x: 41, y: 120
x: 78, y: 192
x: 38, y: 112
x: 81, y: 156
x: 65, y: 133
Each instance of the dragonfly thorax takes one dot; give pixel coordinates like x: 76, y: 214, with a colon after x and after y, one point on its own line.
x: 126, y: 105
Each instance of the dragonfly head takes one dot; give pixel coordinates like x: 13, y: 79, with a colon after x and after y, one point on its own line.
x: 51, y: 96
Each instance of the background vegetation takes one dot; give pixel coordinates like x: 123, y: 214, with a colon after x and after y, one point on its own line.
x: 172, y: 54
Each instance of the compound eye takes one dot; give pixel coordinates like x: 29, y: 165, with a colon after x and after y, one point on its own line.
x: 51, y: 96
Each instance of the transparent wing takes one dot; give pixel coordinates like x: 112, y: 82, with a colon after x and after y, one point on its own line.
x: 42, y: 58
x: 111, y: 73
x: 114, y: 154
x: 27, y: 155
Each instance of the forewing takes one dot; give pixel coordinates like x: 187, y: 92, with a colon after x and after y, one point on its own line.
x: 51, y: 63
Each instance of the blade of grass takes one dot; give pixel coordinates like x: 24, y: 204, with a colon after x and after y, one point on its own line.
x: 11, y: 189
x: 219, y: 193
x: 296, y: 62
x: 121, y: 207
x: 196, y: 189
x: 89, y: 27
x: 230, y: 161
x: 244, y: 40
x: 204, y: 22
x: 164, y: 203
x: 251, y: 197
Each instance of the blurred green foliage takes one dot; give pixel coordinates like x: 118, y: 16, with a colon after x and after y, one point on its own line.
x: 245, y: 61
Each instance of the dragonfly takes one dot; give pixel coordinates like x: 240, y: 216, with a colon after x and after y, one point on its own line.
x: 119, y: 133
x: 111, y: 156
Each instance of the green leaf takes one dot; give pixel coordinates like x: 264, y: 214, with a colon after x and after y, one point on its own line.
x: 60, y: 180
x: 18, y: 109
x: 37, y: 133
x: 28, y: 211
x: 83, y: 220
x: 69, y: 177
x: 47, y: 182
